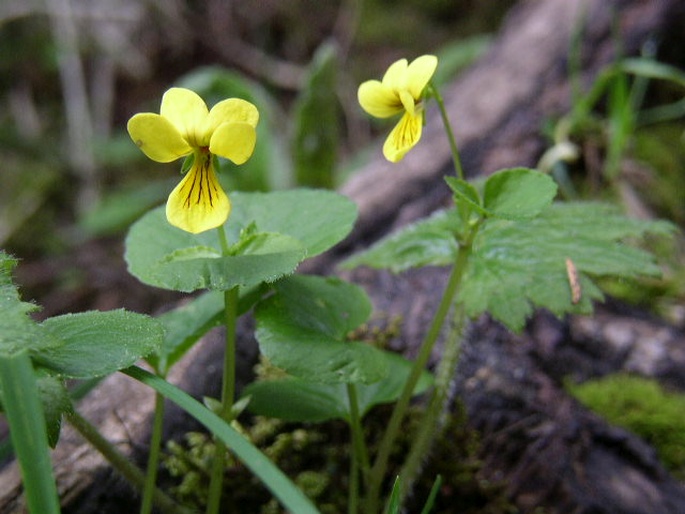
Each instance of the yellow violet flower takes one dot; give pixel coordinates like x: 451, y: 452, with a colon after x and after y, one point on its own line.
x: 185, y: 126
x: 400, y: 90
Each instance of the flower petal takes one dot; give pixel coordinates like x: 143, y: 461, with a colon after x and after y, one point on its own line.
x: 403, y: 137
x: 396, y: 75
x: 378, y: 100
x: 231, y: 110
x: 419, y: 74
x: 234, y: 141
x: 157, y: 137
x: 407, y: 101
x: 198, y: 202
x: 187, y: 111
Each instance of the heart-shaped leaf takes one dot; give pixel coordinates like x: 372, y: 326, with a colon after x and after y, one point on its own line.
x: 271, y: 234
x: 296, y: 399
x: 93, y: 344
x: 303, y: 327
x: 518, y: 193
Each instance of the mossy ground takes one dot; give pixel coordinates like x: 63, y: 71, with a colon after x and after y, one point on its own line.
x: 644, y: 407
x: 316, y: 457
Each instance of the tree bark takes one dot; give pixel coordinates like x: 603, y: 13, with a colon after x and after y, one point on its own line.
x: 549, y: 451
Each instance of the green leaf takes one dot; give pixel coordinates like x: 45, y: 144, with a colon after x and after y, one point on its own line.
x: 184, y: 326
x: 22, y: 405
x: 428, y: 507
x: 192, y: 252
x: 318, y: 219
x: 55, y: 400
x: 395, y: 501
x: 302, y: 329
x: 390, y: 387
x: 518, y: 193
x: 429, y: 242
x: 649, y: 68
x: 290, y: 225
x: 295, y: 399
x: 317, y: 122
x: 465, y: 193
x: 17, y: 330
x: 517, y: 266
x: 164, y: 256
x: 260, y: 243
x: 93, y: 344
x: 273, y: 478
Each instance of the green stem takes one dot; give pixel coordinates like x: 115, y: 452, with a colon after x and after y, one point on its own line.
x: 360, y: 453
x: 392, y: 431
x: 153, y: 458
x: 228, y: 383
x: 221, y: 232
x: 448, y: 129
x: 357, y: 432
x: 432, y: 425
x: 353, y: 495
x: 216, y: 478
x: 130, y: 472
x: 227, y: 396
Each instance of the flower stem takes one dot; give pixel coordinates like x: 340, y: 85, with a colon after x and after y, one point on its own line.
x: 448, y: 129
x: 153, y: 458
x: 130, y: 472
x: 392, y: 431
x: 432, y: 420
x: 353, y: 493
x: 360, y: 454
x: 227, y: 397
x: 357, y: 432
x: 222, y: 240
x: 228, y: 382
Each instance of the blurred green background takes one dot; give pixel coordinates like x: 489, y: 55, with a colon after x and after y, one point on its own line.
x: 73, y: 72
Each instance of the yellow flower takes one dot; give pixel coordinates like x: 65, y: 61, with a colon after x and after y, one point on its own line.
x: 400, y: 90
x: 184, y: 126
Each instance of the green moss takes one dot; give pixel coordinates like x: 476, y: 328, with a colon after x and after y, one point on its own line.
x: 310, y: 455
x: 380, y: 331
x: 645, y: 408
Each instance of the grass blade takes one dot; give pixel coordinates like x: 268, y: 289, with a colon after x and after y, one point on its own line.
x: 27, y: 430
x: 394, y: 502
x: 273, y: 478
x: 433, y: 494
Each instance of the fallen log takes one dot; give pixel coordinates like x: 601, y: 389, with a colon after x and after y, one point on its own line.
x: 548, y: 451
